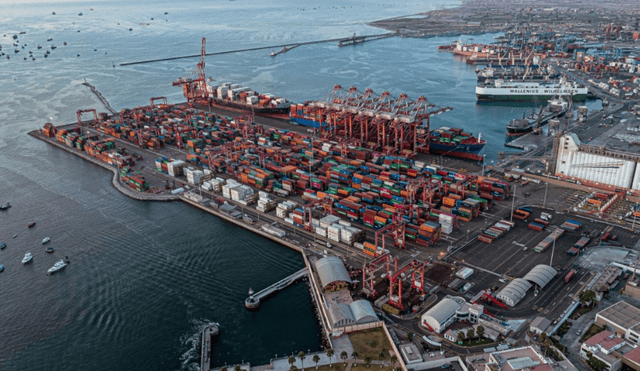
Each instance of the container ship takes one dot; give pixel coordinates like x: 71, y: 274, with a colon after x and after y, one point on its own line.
x: 455, y: 143
x: 237, y: 97
x: 501, y: 90
x: 555, y: 109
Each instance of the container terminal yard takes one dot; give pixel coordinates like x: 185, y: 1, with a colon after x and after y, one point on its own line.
x: 404, y: 229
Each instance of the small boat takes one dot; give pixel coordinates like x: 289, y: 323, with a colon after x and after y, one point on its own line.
x: 64, y: 43
x: 1, y: 267
x: 49, y: 249
x: 80, y: 13
x: 15, y: 235
x: 50, y: 39
x: 3, y: 245
x: 66, y: 259
x: 5, y: 205
x: 45, y: 240
x: 56, y: 267
x: 27, y: 258
x: 32, y: 224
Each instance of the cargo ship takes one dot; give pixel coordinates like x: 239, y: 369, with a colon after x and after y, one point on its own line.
x: 501, y: 90
x: 455, y: 143
x: 555, y: 109
x: 235, y: 96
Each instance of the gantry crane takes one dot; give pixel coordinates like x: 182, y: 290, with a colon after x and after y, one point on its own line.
x: 369, y: 270
x: 90, y: 110
x: 153, y: 100
x: 396, y: 280
x: 195, y: 87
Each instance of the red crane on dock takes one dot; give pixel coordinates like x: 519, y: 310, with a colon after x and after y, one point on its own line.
x: 154, y: 99
x: 369, y: 270
x: 90, y: 110
x: 195, y: 87
x: 396, y: 280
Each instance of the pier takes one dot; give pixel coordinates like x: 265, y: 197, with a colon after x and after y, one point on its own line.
x: 362, y: 39
x: 284, y: 50
x: 289, y: 46
x: 253, y: 301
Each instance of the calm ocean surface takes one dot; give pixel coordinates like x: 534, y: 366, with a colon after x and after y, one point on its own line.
x: 145, y: 277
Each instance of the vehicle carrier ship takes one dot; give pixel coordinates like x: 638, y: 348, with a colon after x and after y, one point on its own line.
x: 501, y: 90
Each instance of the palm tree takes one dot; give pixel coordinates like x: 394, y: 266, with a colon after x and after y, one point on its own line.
x: 393, y: 360
x: 355, y: 355
x: 471, y: 333
x: 480, y: 331
x: 293, y: 368
x: 344, y: 357
x: 381, y: 357
x: 330, y: 353
x: 367, y: 360
x: 237, y: 368
x: 460, y: 336
x: 223, y: 368
x: 292, y: 360
x: 316, y: 359
x: 302, y: 357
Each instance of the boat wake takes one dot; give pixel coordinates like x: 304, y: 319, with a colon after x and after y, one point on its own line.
x: 190, y: 358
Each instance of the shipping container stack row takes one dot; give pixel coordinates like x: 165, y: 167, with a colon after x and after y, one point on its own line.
x: 549, y: 241
x: 496, y: 231
x: 571, y: 225
x: 103, y: 150
x: 595, y: 202
x: 366, y: 187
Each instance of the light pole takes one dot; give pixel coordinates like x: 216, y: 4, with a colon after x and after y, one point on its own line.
x: 546, y: 188
x: 484, y: 157
x: 553, y: 249
x: 513, y: 201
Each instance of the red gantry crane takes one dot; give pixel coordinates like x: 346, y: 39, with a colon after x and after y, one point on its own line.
x: 396, y: 280
x: 90, y: 110
x: 195, y: 87
x: 369, y: 270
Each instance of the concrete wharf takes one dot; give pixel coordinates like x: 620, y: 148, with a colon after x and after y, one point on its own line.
x: 253, y: 301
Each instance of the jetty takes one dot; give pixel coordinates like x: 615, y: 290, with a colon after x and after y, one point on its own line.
x: 362, y: 39
x: 100, y: 97
x: 253, y: 301
x: 284, y: 50
x: 209, y: 333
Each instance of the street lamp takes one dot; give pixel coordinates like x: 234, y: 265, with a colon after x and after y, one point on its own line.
x: 484, y: 157
x: 513, y: 201
x: 546, y: 188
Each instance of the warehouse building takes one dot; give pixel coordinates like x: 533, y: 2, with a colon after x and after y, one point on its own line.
x: 608, y: 162
x: 333, y: 275
x: 516, y: 290
x: 449, y: 310
x: 624, y: 319
x: 358, y: 312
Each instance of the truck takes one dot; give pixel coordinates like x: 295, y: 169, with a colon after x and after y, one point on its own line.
x: 569, y: 276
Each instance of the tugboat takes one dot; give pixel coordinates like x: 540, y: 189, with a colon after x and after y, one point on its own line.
x: 49, y: 249
x: 59, y: 265
x: 27, y: 258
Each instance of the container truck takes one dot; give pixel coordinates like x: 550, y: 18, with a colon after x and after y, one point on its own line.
x: 569, y: 276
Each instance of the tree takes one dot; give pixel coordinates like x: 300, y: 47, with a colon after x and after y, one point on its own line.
x: 393, y: 360
x: 223, y: 368
x: 480, y: 331
x: 355, y: 355
x: 588, y: 296
x: 382, y: 356
x: 471, y: 333
x: 460, y: 336
x: 596, y: 364
x: 367, y: 360
x: 292, y: 360
x: 293, y: 368
x: 410, y: 335
x: 316, y: 359
x: 237, y: 368
x: 330, y: 353
x: 302, y: 357
x: 344, y: 357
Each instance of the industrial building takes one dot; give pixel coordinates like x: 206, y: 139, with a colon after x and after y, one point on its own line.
x: 609, y: 161
x: 516, y: 290
x: 358, y: 312
x: 539, y: 325
x: 449, y: 310
x: 333, y: 275
x: 624, y: 319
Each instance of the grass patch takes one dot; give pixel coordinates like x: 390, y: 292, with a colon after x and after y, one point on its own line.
x: 373, y: 367
x: 475, y: 342
x: 336, y: 366
x: 594, y: 329
x: 580, y: 311
x: 369, y: 343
